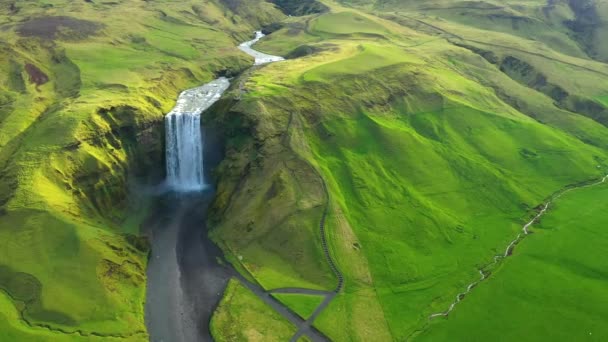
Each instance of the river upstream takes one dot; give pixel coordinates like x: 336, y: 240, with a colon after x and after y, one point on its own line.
x: 185, y: 280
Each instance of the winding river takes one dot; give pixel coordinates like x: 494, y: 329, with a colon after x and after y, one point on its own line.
x: 185, y: 281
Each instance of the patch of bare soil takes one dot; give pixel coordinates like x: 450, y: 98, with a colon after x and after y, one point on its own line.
x: 36, y: 75
x: 59, y: 27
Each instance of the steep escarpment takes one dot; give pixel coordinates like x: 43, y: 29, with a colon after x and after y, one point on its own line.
x: 269, y: 199
x: 575, y: 28
x: 526, y: 74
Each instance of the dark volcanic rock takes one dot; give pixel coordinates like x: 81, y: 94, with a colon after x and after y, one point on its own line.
x: 36, y: 75
x: 59, y: 27
x: 300, y: 7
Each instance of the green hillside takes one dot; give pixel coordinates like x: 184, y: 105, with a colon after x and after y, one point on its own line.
x: 436, y: 147
x: 83, y: 92
x: 558, y: 275
x: 421, y: 136
x: 255, y: 321
x: 303, y: 305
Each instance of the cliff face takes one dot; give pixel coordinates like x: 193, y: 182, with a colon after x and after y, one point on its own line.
x: 83, y: 93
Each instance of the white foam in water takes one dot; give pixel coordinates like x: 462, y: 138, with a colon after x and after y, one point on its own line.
x: 184, y: 136
x: 185, y: 141
x: 260, y: 58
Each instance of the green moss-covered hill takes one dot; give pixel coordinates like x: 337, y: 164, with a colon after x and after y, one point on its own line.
x: 433, y: 130
x: 84, y: 86
x: 420, y: 135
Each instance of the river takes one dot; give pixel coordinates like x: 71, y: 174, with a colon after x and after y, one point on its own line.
x: 185, y: 281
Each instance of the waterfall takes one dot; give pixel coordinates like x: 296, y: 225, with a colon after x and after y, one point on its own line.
x: 184, y: 136
x: 185, y: 140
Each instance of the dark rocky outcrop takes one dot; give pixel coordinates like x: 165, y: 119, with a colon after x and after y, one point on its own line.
x: 584, y: 26
x: 59, y: 27
x: 300, y: 7
x: 37, y: 77
x: 525, y: 73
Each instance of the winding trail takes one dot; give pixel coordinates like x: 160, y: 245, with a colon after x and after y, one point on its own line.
x: 511, y: 246
x: 304, y: 328
x: 329, y: 295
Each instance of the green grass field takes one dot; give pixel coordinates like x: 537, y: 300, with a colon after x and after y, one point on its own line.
x: 81, y: 110
x: 436, y: 128
x: 345, y: 23
x: 556, y: 275
x: 434, y: 156
x: 303, y: 305
x: 241, y: 316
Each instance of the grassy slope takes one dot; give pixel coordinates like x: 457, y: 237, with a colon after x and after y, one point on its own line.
x: 557, y: 275
x: 434, y: 157
x: 303, y: 305
x: 66, y: 148
x: 575, y: 28
x: 241, y: 316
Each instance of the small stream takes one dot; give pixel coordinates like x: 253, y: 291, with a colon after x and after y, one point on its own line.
x: 260, y: 57
x: 525, y: 231
x: 185, y: 281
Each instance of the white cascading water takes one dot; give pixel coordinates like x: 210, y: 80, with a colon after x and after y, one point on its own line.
x: 185, y: 141
x: 260, y: 57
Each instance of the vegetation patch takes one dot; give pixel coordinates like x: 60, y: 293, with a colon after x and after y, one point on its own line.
x: 20, y: 286
x: 556, y: 275
x: 303, y: 305
x: 59, y: 27
x: 26, y: 290
x: 15, y: 80
x: 346, y: 23
x: 241, y: 316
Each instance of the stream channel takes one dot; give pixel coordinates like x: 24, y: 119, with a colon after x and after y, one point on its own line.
x: 185, y: 280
